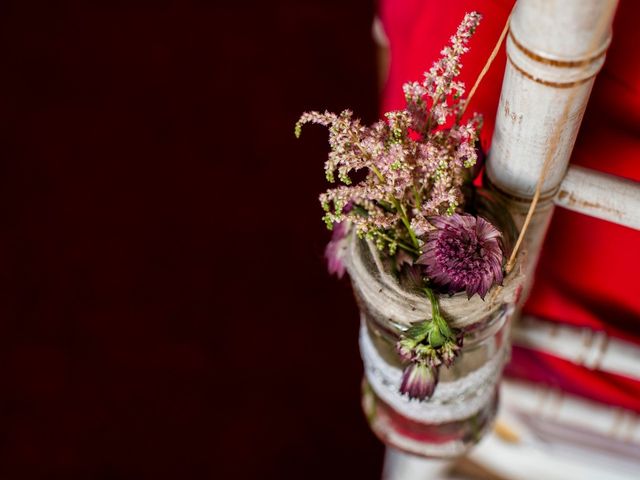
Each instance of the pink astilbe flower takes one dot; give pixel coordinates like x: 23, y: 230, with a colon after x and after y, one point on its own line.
x: 439, y: 84
x: 398, y: 179
x: 463, y: 252
x: 408, y: 167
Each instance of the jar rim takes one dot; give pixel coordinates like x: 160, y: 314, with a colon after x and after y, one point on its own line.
x: 379, y: 288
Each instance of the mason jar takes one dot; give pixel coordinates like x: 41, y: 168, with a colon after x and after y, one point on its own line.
x: 465, y: 400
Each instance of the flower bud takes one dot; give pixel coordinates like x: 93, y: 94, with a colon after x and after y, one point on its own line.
x: 418, y: 381
x: 449, y: 352
x: 405, y: 349
x: 436, y: 338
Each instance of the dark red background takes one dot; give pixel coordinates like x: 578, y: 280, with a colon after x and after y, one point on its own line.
x: 165, y: 307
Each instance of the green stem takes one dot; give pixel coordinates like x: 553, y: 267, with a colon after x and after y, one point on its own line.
x: 400, y: 244
x: 400, y: 209
x: 435, y: 307
x: 435, y: 313
x: 430, y: 118
x: 375, y: 170
x: 405, y: 220
x: 416, y: 196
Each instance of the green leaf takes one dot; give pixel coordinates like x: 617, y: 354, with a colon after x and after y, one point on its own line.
x: 418, y: 331
x: 436, y: 338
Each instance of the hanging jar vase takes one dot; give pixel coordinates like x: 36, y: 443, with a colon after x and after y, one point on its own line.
x: 419, y: 232
x: 465, y: 399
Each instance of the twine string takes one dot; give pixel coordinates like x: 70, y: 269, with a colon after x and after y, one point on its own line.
x: 487, y: 65
x: 554, y: 142
x: 550, y: 152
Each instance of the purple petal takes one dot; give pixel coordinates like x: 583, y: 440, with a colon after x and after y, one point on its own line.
x: 418, y: 381
x: 463, y: 253
x: 336, y: 249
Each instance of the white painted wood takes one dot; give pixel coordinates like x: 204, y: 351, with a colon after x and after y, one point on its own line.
x: 378, y: 33
x: 552, y: 435
x: 403, y: 466
x: 545, y: 404
x: 563, y: 30
x: 596, y: 194
x: 519, y: 461
x: 554, y: 48
x: 582, y: 346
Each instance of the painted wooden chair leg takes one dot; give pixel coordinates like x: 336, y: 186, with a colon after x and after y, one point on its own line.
x: 403, y: 466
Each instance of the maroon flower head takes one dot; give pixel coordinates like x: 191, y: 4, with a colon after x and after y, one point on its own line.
x: 463, y: 253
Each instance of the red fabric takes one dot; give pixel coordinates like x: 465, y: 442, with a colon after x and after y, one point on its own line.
x: 602, y: 387
x: 588, y: 267
x: 418, y: 30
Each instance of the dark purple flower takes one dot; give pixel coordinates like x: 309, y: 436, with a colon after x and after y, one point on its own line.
x: 418, y: 380
x: 336, y: 249
x: 463, y: 253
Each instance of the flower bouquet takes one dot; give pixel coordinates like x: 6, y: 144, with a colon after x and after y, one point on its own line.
x: 425, y: 251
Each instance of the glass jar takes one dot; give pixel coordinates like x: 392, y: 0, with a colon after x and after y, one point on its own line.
x: 465, y: 400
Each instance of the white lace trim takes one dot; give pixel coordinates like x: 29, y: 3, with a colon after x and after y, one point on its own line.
x: 451, y: 401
